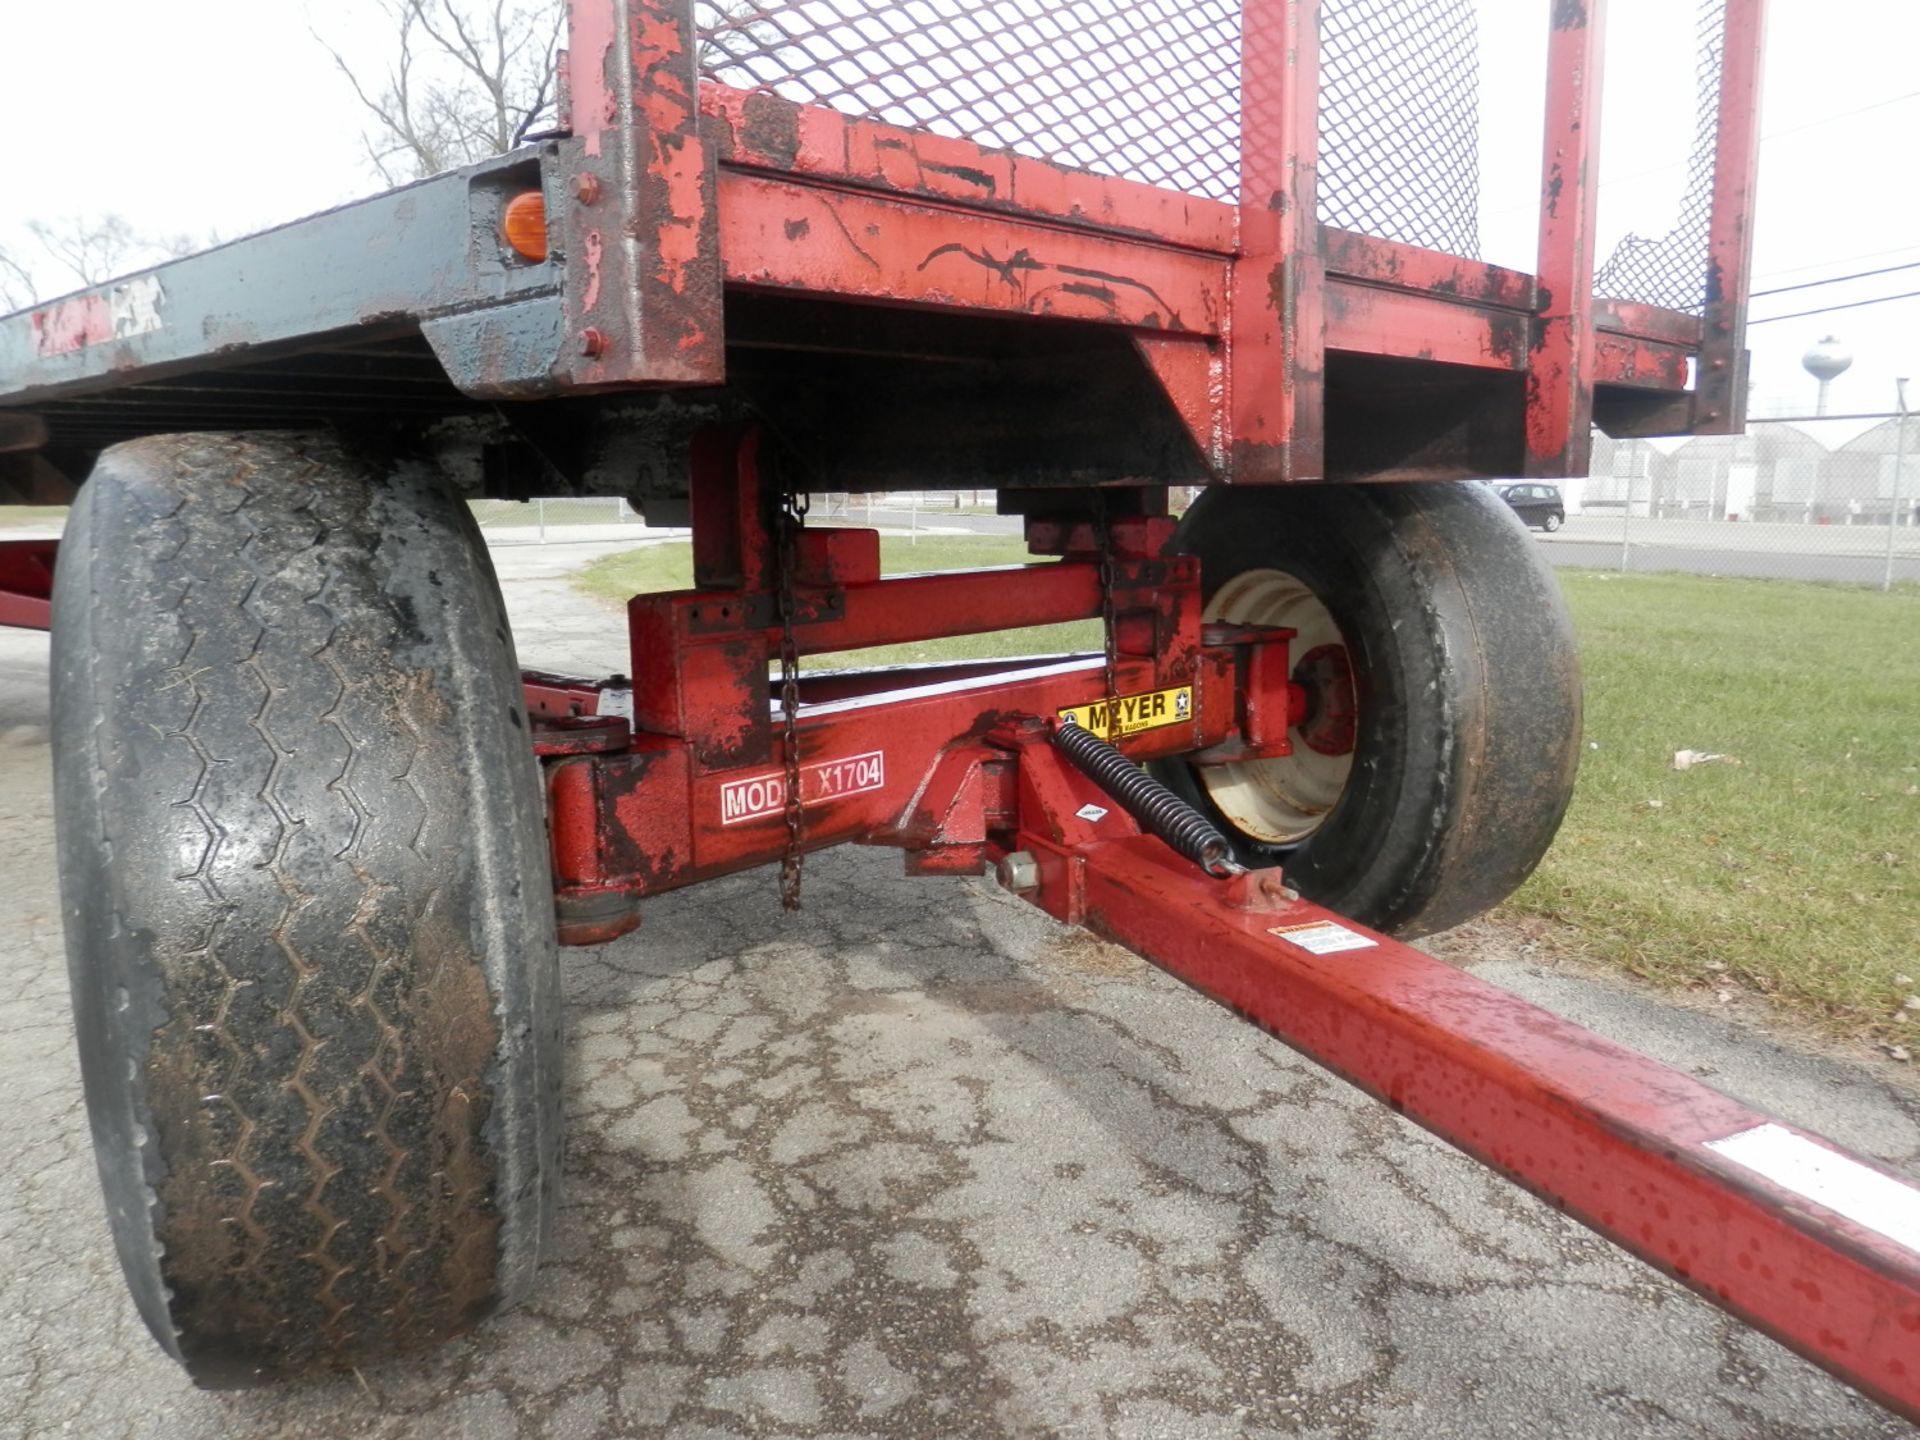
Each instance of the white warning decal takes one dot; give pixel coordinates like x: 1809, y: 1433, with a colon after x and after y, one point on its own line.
x: 1322, y: 937
x: 1841, y: 1183
x: 135, y: 306
x: 764, y: 795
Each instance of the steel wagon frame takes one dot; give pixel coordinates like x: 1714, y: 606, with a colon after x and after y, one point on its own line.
x: 724, y: 265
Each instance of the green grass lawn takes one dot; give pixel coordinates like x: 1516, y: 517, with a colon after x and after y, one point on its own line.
x: 670, y: 567
x: 1787, y: 869
x: 15, y: 517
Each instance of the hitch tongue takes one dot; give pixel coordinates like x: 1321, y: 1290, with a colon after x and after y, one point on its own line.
x: 1157, y: 809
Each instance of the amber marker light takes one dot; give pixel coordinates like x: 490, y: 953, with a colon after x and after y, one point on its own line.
x: 523, y: 224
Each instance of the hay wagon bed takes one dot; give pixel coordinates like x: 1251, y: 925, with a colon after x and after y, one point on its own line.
x: 321, y: 835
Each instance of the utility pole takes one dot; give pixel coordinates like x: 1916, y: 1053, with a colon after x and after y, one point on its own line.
x: 1899, y: 463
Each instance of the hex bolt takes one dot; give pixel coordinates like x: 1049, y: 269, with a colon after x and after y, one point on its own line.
x: 1019, y: 872
x: 592, y: 343
x: 586, y: 188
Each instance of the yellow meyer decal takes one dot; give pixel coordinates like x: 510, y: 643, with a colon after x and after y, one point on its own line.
x: 1134, y: 713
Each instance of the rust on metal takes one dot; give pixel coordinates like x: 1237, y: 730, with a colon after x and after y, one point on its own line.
x: 1275, y: 367
x: 1559, y: 388
x: 643, y: 291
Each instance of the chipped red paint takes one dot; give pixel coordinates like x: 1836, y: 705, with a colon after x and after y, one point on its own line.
x: 1720, y: 399
x: 753, y: 130
x: 1193, y: 373
x: 1277, y: 342
x: 818, y: 239
x: 1374, y: 321
x: 669, y: 189
x: 635, y: 206
x: 1641, y: 364
x: 1407, y: 267
x: 1559, y: 415
x: 1647, y: 322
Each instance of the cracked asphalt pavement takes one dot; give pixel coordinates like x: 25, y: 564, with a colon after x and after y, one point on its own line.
x: 920, y: 1162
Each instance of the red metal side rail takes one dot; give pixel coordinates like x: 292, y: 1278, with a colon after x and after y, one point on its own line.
x: 1808, y: 1244
x: 1233, y: 307
x: 1560, y: 377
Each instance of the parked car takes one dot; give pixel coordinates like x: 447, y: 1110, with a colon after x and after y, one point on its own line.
x: 1536, y: 504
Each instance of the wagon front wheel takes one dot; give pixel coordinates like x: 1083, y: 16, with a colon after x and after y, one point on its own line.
x: 1437, y: 749
x: 305, y: 887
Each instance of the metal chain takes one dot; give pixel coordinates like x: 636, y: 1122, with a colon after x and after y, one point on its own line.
x: 1103, y: 532
x: 792, y: 518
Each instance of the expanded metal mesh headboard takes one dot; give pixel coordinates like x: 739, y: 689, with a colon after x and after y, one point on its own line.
x: 1670, y: 269
x: 1148, y: 90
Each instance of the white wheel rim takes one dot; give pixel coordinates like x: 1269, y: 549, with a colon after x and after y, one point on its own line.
x: 1282, y: 800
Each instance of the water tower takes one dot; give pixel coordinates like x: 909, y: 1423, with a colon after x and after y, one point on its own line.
x: 1824, y: 361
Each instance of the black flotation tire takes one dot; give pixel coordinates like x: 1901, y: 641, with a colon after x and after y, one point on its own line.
x: 307, y: 902
x: 1467, y: 678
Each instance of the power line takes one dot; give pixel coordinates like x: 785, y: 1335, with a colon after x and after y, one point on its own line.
x: 1835, y: 279
x: 1826, y: 309
x: 1843, y: 115
x: 1834, y: 260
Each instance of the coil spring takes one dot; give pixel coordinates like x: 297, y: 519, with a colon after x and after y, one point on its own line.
x: 1159, y: 811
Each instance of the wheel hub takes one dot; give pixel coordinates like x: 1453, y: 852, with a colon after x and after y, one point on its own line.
x: 1325, y: 677
x: 1284, y: 799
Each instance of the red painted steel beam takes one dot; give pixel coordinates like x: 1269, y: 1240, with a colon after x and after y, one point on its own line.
x: 1721, y: 1197
x: 756, y: 130
x: 634, y: 206
x: 1351, y: 256
x: 894, y: 611
x: 1720, y: 402
x: 819, y: 239
x: 1373, y: 320
x: 1559, y: 417
x: 899, y: 768
x: 1647, y: 322
x: 1276, y: 359
x: 26, y: 583
x: 1642, y: 364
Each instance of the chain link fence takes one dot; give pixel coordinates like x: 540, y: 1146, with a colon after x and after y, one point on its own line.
x: 566, y: 519
x: 1821, y: 501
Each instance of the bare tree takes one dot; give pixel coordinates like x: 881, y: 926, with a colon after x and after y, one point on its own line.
x: 17, y: 290
x: 84, y: 250
x: 92, y: 250
x: 735, y: 30
x: 465, y: 79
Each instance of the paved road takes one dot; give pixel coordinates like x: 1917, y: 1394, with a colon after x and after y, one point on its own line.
x: 1751, y: 564
x: 1851, y: 554
x: 921, y: 1163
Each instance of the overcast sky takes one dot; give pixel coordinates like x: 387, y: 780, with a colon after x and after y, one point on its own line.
x: 198, y: 115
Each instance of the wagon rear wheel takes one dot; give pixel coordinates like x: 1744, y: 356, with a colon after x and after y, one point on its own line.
x: 1437, y: 753
x: 306, y: 894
